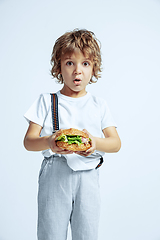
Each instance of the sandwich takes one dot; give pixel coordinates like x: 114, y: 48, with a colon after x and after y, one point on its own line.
x: 73, y: 140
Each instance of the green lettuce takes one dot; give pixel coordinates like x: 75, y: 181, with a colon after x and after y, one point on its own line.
x: 70, y: 139
x: 62, y: 138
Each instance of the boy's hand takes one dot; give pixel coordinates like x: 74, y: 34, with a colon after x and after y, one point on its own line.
x: 53, y: 146
x: 91, y: 149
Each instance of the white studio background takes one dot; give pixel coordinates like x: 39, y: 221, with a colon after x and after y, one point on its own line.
x: 129, y: 32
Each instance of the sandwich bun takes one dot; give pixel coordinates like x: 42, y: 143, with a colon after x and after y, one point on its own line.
x: 74, y: 146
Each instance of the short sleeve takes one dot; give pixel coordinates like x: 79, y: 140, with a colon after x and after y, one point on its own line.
x: 37, y: 112
x: 106, y: 117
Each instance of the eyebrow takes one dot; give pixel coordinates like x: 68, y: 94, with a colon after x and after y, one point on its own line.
x: 71, y: 58
x: 66, y: 58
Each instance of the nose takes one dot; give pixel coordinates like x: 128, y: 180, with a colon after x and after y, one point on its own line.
x: 77, y: 69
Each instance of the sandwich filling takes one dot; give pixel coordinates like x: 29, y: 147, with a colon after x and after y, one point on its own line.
x: 73, y: 139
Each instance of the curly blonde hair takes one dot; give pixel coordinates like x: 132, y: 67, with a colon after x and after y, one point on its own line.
x: 66, y: 44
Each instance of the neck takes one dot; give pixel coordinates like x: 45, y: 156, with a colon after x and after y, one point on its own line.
x: 73, y: 94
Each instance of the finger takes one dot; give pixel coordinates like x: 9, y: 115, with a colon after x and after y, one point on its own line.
x: 85, y: 131
x: 65, y: 152
x: 92, y: 149
x: 68, y: 152
x: 80, y: 153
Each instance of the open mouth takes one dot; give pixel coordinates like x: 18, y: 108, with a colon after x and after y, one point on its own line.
x: 77, y: 81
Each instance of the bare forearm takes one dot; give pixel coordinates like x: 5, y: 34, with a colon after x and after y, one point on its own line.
x: 36, y: 143
x: 110, y: 144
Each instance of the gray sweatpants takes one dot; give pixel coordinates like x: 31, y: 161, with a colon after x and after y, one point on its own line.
x: 66, y: 196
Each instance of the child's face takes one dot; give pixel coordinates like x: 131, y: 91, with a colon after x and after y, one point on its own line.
x: 76, y: 70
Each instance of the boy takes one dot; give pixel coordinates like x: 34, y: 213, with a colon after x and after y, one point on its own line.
x: 68, y: 182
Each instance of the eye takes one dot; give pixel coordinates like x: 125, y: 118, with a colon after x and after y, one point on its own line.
x: 86, y: 63
x: 69, y: 63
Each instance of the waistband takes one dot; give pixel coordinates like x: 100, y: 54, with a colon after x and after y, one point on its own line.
x: 65, y: 160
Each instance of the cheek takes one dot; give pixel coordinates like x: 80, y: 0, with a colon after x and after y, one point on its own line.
x: 63, y: 71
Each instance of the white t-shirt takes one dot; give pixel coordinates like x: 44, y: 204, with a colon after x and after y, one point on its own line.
x: 87, y: 112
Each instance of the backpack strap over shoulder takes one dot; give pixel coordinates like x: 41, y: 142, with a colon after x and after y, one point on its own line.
x: 54, y: 109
